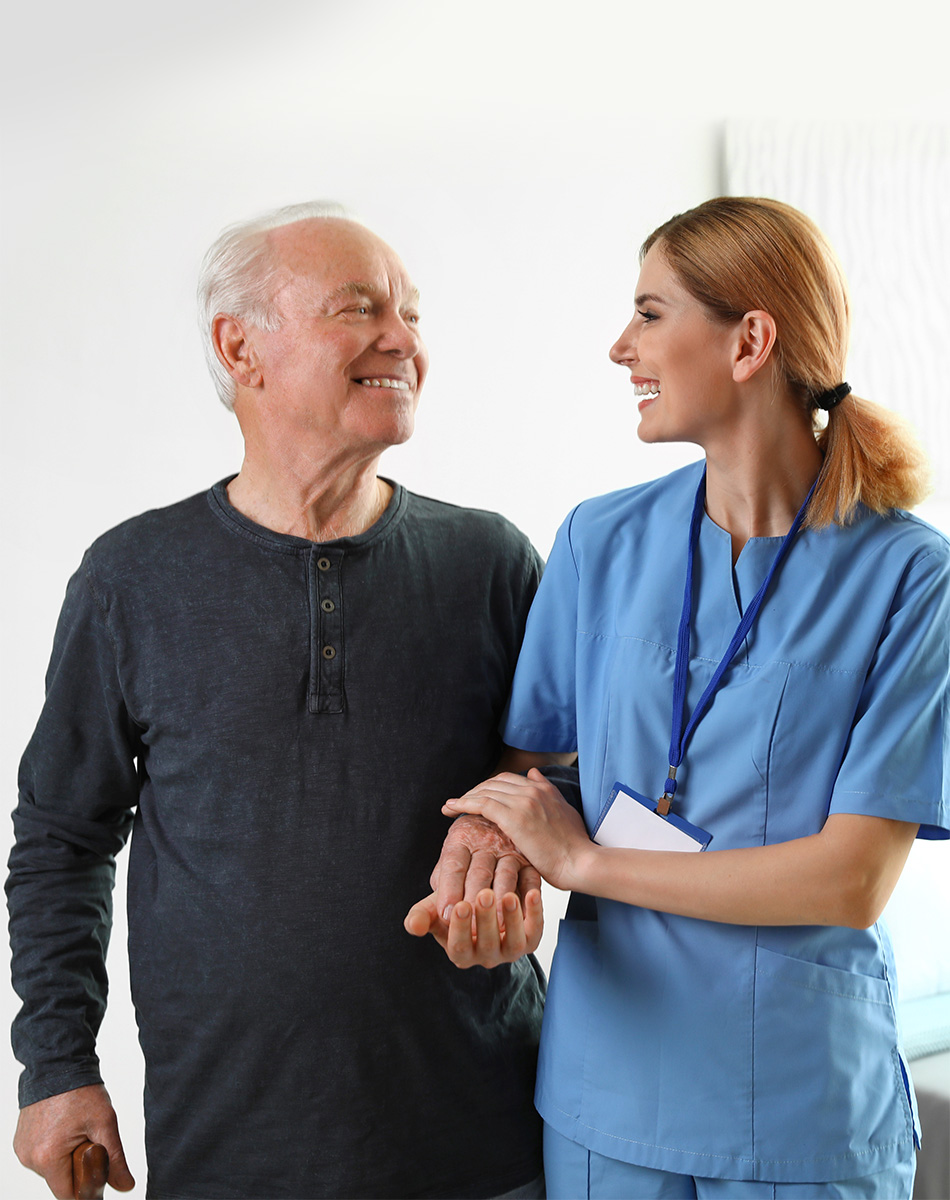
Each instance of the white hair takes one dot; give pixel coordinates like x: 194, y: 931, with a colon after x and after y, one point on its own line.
x: 238, y: 275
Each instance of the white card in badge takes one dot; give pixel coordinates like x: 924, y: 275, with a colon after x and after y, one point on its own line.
x: 629, y: 821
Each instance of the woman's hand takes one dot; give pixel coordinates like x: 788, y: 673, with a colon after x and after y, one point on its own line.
x: 475, y: 934
x: 533, y: 813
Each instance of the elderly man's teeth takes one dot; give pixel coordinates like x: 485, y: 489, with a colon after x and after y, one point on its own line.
x: 399, y: 384
x: 646, y: 389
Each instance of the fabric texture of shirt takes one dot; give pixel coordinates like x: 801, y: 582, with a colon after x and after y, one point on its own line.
x: 280, y: 721
x: 721, y: 1050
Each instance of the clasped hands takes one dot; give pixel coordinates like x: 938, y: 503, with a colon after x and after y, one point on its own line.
x: 485, y: 907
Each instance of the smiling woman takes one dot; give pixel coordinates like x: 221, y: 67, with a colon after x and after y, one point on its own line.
x: 732, y: 256
x: 723, y: 1020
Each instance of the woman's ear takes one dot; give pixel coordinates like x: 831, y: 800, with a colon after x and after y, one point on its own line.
x: 235, y: 351
x: 755, y: 339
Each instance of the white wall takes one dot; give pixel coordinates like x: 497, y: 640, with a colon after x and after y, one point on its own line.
x: 515, y: 153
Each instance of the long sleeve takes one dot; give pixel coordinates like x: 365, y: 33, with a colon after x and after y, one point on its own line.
x: 78, y: 783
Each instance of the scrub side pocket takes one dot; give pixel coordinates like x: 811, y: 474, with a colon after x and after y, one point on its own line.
x: 827, y: 1083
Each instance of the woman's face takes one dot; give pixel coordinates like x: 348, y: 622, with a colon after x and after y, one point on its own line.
x: 680, y: 360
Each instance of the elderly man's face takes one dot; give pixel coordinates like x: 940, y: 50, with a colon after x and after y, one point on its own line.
x: 347, y: 362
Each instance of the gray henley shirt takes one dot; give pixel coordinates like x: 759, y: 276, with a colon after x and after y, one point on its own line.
x: 278, y: 723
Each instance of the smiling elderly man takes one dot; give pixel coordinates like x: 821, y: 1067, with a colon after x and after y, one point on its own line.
x: 282, y: 679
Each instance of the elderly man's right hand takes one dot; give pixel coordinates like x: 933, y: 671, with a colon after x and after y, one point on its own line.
x: 486, y: 907
x: 49, y: 1131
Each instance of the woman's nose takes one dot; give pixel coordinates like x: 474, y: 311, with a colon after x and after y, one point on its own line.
x: 625, y: 347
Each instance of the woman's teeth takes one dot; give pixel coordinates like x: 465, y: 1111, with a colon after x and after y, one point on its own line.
x: 646, y: 390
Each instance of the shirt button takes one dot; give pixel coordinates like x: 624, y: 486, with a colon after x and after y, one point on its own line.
x: 327, y: 605
x: 329, y: 652
x: 323, y: 564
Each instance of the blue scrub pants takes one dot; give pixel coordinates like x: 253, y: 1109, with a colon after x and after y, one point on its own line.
x: 573, y: 1172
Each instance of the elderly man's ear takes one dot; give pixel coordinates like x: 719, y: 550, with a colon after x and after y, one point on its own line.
x: 235, y: 351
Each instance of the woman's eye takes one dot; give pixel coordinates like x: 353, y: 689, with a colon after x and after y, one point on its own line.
x: 647, y: 314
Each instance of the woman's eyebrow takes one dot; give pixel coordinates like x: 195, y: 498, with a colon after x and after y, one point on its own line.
x: 649, y: 298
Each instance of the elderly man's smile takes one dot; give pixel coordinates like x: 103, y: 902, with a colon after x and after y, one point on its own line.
x: 382, y: 381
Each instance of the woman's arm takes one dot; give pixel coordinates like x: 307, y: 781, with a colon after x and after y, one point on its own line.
x: 843, y: 875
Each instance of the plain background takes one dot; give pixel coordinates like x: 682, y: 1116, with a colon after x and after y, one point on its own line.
x: 514, y: 153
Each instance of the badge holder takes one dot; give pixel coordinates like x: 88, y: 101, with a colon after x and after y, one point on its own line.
x: 631, y: 821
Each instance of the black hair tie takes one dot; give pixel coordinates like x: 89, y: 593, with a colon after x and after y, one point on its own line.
x: 833, y: 396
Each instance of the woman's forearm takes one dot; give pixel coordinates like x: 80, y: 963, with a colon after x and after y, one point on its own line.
x: 840, y: 876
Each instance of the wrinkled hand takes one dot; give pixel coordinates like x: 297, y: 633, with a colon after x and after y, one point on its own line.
x: 477, y: 855
x: 49, y: 1131
x: 532, y: 812
x: 486, y: 907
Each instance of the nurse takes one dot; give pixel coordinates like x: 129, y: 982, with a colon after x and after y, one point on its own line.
x: 752, y: 657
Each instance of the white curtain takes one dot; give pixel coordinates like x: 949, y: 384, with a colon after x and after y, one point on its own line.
x: 882, y: 196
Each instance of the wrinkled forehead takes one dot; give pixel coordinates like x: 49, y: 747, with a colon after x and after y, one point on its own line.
x: 330, y: 255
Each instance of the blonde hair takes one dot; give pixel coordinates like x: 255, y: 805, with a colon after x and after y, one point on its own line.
x: 735, y: 254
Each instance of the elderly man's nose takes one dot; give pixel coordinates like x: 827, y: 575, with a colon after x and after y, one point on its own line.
x: 399, y: 337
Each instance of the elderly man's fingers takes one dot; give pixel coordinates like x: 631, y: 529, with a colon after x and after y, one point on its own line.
x: 529, y: 880
x: 481, y: 874
x: 507, y: 871
x: 452, y: 870
x: 49, y: 1131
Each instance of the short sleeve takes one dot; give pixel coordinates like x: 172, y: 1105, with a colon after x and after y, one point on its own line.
x: 542, y: 709
x: 897, y: 760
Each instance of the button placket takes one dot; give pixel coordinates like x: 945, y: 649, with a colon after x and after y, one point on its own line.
x: 326, y: 631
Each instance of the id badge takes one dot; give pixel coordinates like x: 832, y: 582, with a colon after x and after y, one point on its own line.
x: 629, y: 821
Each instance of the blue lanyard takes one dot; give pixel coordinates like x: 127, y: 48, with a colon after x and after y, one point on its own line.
x: 680, y: 737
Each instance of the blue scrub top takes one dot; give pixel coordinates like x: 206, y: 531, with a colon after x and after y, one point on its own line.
x: 723, y: 1050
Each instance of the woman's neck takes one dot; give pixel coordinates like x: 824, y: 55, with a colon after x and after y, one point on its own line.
x: 756, y: 490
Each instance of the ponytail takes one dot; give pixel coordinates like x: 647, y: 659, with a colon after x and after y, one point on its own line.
x: 871, y: 457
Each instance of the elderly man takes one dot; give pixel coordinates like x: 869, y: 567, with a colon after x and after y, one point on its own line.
x: 282, y: 679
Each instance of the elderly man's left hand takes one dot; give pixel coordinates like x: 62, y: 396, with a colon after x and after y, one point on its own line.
x: 481, y: 873
x: 477, y: 855
x: 486, y: 905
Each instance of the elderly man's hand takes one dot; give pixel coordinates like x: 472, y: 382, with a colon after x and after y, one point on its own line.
x: 477, y: 855
x: 49, y: 1131
x: 481, y: 874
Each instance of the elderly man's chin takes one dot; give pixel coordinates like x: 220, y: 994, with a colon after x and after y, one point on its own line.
x: 393, y: 426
